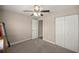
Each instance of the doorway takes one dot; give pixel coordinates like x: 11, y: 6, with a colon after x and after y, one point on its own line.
x: 40, y: 29
x: 37, y: 29
x: 34, y: 28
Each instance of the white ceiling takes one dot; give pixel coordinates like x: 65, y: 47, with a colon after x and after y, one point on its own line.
x: 21, y: 8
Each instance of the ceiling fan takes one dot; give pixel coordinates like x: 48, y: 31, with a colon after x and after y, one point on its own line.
x: 37, y: 11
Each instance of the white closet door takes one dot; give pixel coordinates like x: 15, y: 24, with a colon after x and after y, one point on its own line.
x: 60, y: 31
x: 70, y: 30
x: 34, y: 28
x: 76, y: 33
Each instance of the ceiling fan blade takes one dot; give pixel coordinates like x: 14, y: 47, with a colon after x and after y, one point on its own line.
x: 31, y: 14
x: 28, y: 11
x: 41, y: 11
x: 41, y: 14
x: 45, y: 10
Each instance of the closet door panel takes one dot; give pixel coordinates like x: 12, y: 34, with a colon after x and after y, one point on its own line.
x: 70, y: 32
x: 69, y: 28
x: 75, y: 33
x: 60, y: 31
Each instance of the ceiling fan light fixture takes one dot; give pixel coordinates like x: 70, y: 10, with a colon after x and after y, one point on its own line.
x: 37, y: 11
x: 37, y: 14
x: 36, y: 8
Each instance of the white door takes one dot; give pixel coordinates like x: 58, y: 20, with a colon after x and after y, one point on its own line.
x: 60, y: 31
x: 67, y: 32
x: 34, y: 28
x: 71, y: 32
x: 76, y: 41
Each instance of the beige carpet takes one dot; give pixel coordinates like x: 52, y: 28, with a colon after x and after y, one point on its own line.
x: 37, y: 46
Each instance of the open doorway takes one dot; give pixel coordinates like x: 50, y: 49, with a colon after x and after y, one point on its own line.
x: 40, y: 29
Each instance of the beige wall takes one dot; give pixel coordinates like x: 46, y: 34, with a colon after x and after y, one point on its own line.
x: 18, y: 26
x: 49, y: 28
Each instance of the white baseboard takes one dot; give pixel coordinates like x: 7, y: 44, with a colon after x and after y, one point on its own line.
x: 50, y: 41
x: 19, y: 41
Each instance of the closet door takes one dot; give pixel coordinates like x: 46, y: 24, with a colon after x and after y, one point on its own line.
x: 76, y: 41
x: 71, y: 32
x: 60, y: 31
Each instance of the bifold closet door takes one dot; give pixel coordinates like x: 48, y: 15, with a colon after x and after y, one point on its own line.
x: 76, y: 31
x: 71, y: 32
x: 67, y: 32
x: 60, y: 31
